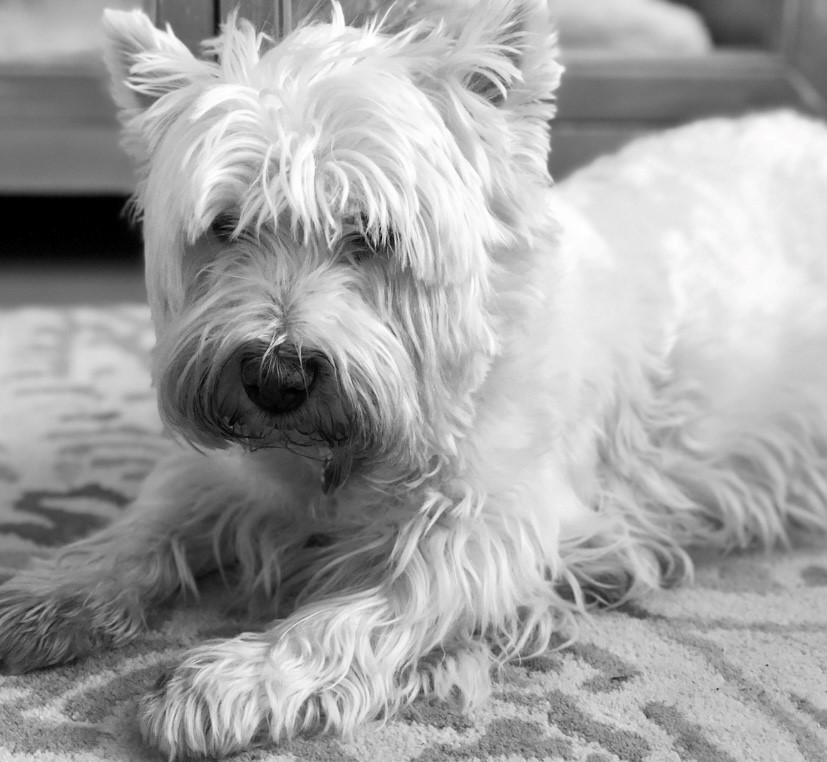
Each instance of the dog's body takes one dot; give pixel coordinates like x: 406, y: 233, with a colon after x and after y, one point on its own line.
x: 440, y: 405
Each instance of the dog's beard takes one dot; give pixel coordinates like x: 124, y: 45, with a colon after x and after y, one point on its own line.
x: 362, y: 411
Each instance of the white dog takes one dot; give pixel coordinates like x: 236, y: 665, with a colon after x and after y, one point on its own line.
x: 436, y: 406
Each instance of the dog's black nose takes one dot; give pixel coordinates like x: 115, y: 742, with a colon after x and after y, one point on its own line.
x: 278, y: 382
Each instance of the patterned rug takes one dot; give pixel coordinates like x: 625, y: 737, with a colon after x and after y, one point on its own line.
x: 733, y: 669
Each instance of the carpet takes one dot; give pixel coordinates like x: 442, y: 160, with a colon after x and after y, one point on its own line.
x: 732, y: 669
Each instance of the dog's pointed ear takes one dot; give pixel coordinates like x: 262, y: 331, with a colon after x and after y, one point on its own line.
x: 145, y: 64
x: 500, y: 49
x: 144, y: 61
x: 508, y: 49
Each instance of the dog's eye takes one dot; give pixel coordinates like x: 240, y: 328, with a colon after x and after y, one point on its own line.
x: 359, y: 246
x: 223, y: 228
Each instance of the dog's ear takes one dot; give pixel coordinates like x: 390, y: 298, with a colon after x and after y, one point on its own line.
x: 144, y: 61
x: 492, y: 38
x: 499, y: 49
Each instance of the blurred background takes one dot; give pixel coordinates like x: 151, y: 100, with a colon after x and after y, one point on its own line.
x: 633, y: 66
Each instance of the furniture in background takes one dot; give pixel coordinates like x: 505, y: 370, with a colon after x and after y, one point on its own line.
x: 58, y: 132
x: 768, y: 54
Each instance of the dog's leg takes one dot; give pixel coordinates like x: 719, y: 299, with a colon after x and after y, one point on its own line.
x: 390, y: 614
x: 95, y: 592
x: 686, y: 470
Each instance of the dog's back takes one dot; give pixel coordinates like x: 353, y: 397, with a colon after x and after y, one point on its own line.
x: 714, y: 236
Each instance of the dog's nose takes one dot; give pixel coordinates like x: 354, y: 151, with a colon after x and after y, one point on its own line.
x: 278, y: 382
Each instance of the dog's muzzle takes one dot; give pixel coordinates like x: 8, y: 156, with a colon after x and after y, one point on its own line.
x: 277, y: 381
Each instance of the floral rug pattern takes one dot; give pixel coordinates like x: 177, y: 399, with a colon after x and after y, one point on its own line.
x: 732, y: 669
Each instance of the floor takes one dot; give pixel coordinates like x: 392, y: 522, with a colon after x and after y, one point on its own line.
x: 68, y: 250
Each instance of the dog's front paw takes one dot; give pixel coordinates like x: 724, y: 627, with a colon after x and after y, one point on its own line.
x: 255, y: 689
x: 214, y: 703
x: 42, y: 627
x: 259, y: 688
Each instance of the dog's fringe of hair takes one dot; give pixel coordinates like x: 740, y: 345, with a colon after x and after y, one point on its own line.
x: 229, y: 124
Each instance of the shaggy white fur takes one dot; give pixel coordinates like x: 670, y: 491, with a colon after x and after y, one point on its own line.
x: 437, y: 406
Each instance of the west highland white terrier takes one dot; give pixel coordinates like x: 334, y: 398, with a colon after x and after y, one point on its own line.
x: 437, y: 407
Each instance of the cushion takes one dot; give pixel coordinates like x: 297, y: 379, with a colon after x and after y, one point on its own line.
x: 630, y: 27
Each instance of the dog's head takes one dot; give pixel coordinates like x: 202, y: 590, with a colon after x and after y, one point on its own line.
x: 328, y: 220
